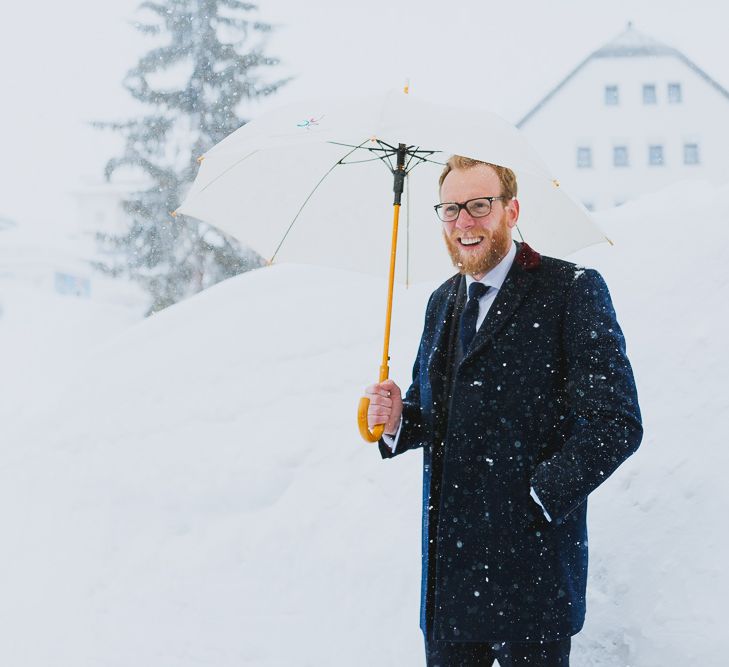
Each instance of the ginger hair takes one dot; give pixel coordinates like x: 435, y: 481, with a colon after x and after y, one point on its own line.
x: 507, y: 178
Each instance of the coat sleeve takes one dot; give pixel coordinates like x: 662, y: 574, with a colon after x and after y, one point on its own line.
x: 602, y: 400
x: 412, y: 434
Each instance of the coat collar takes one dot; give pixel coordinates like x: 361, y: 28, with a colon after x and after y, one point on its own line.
x: 526, y: 256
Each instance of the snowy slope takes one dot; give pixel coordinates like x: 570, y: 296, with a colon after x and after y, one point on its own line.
x: 658, y: 585
x: 198, y: 495
x: 43, y: 336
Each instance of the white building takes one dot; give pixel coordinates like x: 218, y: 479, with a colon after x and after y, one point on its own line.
x: 56, y: 261
x: 631, y: 118
x: 100, y: 207
x: 42, y: 259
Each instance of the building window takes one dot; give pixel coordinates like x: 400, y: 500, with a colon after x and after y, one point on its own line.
x: 584, y: 157
x: 655, y: 155
x: 691, y: 154
x: 649, y: 93
x: 620, y: 156
x: 66, y: 283
x: 674, y: 93
x: 611, y: 95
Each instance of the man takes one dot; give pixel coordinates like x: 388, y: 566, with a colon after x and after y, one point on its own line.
x: 523, y: 401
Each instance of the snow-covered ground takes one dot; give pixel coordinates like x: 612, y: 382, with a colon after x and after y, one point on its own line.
x: 197, y: 493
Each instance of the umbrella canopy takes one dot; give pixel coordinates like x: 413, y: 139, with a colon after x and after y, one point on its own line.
x: 307, y: 183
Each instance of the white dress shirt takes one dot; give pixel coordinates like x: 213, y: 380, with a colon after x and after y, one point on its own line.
x: 494, y: 279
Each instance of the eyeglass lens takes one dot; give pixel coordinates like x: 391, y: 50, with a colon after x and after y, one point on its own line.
x: 478, y: 208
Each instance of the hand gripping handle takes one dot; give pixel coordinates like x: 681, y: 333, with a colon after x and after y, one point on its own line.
x: 364, y: 430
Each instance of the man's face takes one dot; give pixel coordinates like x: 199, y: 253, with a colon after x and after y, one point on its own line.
x: 477, y: 245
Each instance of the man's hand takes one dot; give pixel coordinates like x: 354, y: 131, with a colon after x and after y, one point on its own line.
x: 385, y: 406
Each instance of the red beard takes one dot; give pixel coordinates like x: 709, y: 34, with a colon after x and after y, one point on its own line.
x: 486, y: 255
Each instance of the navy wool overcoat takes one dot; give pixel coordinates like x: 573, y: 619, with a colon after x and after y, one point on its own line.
x: 544, y: 399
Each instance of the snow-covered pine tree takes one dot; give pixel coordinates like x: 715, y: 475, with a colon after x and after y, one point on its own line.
x: 208, y: 59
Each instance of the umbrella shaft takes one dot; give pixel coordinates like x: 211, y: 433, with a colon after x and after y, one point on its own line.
x: 384, y: 368
x: 398, y: 183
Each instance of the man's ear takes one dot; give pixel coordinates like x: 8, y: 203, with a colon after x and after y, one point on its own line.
x: 512, y: 210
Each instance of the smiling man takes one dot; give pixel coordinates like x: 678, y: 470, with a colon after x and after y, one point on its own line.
x: 523, y: 401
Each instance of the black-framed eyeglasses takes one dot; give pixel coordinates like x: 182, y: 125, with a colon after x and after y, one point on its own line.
x: 479, y: 207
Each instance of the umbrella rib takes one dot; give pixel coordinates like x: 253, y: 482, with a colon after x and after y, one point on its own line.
x: 425, y: 159
x: 386, y: 156
x: 414, y: 156
x: 410, y: 159
x: 225, y: 171
x: 372, y: 159
x: 310, y: 195
x: 362, y: 146
x: 389, y: 151
x: 419, y: 162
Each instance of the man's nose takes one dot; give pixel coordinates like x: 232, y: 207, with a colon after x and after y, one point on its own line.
x: 464, y: 219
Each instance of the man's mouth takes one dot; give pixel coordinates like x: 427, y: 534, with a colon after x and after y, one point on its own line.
x: 470, y: 241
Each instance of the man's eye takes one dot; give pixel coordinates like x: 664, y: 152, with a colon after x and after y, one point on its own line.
x: 451, y: 209
x: 479, y: 206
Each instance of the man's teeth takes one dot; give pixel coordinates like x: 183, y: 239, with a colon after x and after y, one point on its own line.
x: 471, y: 241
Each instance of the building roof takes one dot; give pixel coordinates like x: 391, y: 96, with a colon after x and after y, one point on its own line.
x: 628, y: 44
x: 631, y: 43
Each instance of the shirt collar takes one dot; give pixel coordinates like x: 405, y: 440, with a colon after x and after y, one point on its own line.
x: 495, y: 278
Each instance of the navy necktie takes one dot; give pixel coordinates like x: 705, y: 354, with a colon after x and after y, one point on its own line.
x: 469, y: 317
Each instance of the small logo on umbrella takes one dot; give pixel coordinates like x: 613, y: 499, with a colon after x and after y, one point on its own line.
x: 309, y: 123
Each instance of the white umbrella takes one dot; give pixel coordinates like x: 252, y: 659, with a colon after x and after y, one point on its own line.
x: 307, y: 183
x: 252, y: 184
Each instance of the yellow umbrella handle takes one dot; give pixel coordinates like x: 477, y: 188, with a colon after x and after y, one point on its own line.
x: 364, y: 403
x: 376, y: 433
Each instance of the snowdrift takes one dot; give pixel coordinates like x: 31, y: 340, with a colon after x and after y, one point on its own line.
x: 198, y: 493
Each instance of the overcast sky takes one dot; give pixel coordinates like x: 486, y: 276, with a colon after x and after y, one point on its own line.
x: 61, y: 65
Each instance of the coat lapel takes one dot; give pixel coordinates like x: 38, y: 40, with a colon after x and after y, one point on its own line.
x: 515, y: 287
x: 440, y: 356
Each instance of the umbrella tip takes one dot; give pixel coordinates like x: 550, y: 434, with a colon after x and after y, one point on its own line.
x: 173, y: 214
x: 406, y: 87
x: 555, y: 182
x: 609, y: 241
x: 200, y: 159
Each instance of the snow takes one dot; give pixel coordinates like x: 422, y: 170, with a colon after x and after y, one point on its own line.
x: 196, y: 492
x: 44, y: 330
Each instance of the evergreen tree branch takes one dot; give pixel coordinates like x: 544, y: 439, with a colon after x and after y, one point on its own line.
x: 175, y: 257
